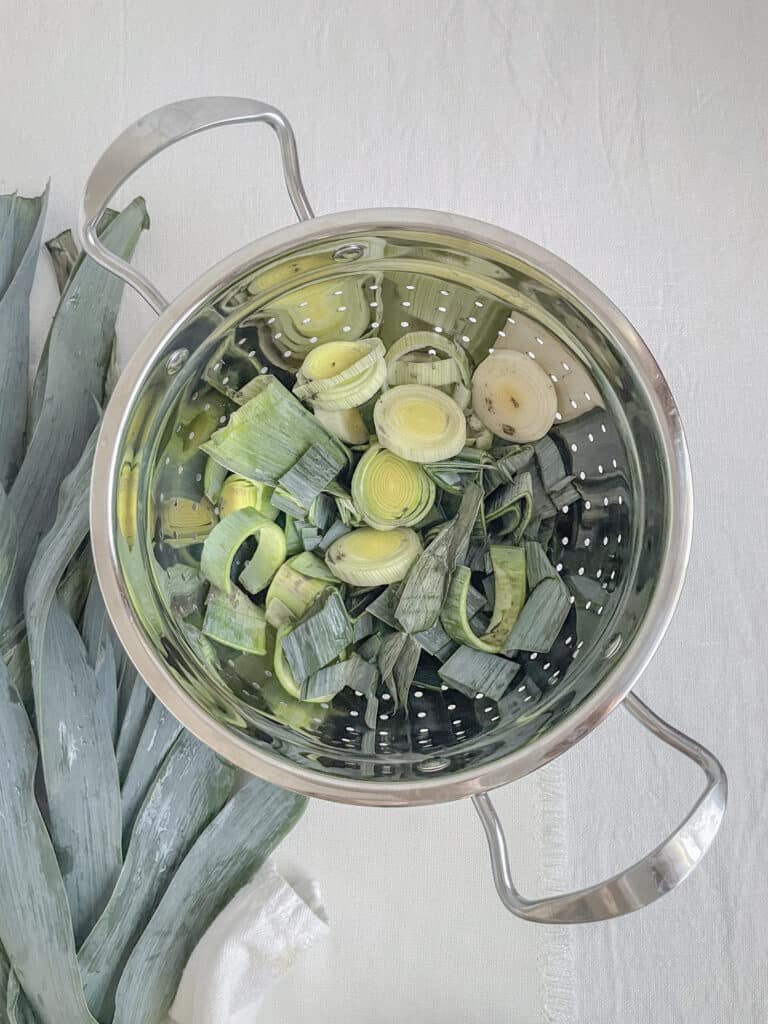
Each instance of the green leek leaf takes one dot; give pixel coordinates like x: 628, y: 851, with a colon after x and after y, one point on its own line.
x: 423, y: 593
x: 80, y: 344
x: 189, y: 790
x: 226, y: 855
x: 20, y: 253
x: 355, y: 673
x: 546, y: 609
x: 398, y: 660
x: 320, y: 637
x: 159, y: 734
x: 265, y: 437
x: 471, y: 672
x: 35, y: 925
x: 80, y: 773
x: 235, y: 621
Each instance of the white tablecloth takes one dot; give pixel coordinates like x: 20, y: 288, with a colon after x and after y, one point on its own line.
x: 630, y: 139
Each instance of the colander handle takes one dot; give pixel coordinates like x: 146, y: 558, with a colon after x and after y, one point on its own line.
x: 653, y: 876
x: 152, y: 134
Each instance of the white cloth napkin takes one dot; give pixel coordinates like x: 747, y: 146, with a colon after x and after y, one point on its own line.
x: 253, y: 941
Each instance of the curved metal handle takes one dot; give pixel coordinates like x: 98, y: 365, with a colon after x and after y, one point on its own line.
x: 648, y: 879
x: 152, y: 134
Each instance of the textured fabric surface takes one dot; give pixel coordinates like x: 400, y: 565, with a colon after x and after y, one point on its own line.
x: 631, y: 140
x: 247, y: 949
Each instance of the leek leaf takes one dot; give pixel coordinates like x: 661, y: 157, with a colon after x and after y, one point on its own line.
x: 320, y: 637
x: 190, y: 789
x: 267, y: 435
x: 229, y: 851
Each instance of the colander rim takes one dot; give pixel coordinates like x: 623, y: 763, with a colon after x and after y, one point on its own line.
x: 435, y: 789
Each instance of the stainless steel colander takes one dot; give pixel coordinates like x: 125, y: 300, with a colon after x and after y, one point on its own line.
x: 622, y: 549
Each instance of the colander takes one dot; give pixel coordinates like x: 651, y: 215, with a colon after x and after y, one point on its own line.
x: 622, y: 549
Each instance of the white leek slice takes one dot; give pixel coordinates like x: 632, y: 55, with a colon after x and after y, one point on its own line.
x: 225, y: 539
x: 341, y: 374
x: 389, y: 491
x: 368, y: 558
x: 513, y: 397
x: 419, y: 423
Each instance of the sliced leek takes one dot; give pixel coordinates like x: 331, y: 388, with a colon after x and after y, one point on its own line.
x: 237, y: 493
x: 419, y: 423
x: 513, y: 396
x: 403, y: 368
x: 224, y: 541
x: 389, y: 491
x: 346, y: 424
x: 234, y: 620
x: 509, y: 596
x: 354, y: 672
x: 368, y: 558
x: 341, y: 374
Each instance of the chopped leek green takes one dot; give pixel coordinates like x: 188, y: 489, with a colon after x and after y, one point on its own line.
x: 398, y: 659
x: 471, y: 671
x: 234, y: 620
x: 454, y: 474
x: 319, y: 638
x: 355, y: 672
x: 292, y: 536
x: 184, y: 522
x: 237, y: 493
x: 344, y: 504
x: 267, y: 435
x: 545, y: 611
x: 225, y: 539
x: 299, y: 486
x: 389, y: 491
x: 510, y: 507
x: 421, y: 598
x: 509, y: 595
x: 341, y: 374
x: 367, y: 557
x: 511, y: 460
x: 419, y: 423
x: 557, y: 482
